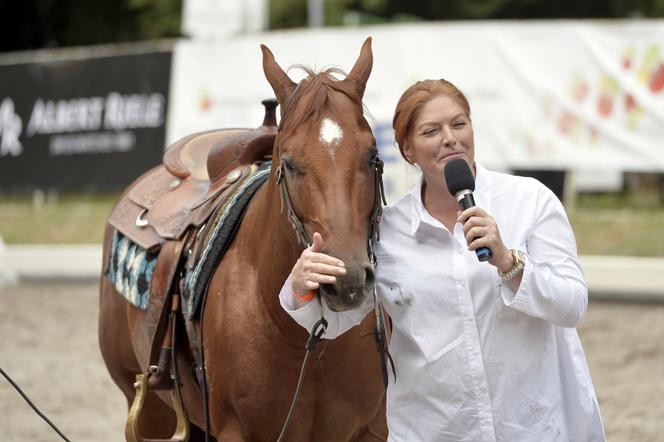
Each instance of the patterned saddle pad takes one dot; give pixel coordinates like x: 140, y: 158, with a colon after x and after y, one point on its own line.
x: 130, y: 270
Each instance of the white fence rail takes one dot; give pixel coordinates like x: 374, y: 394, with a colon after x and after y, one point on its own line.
x: 608, y: 277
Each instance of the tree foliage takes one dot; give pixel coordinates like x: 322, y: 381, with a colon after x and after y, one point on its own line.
x: 292, y: 13
x: 31, y: 24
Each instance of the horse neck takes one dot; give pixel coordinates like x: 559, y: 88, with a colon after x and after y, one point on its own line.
x: 273, y: 247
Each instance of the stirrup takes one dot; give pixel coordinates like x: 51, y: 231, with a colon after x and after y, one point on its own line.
x: 182, y: 429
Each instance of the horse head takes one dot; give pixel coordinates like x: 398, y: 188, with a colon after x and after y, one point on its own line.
x: 327, y: 166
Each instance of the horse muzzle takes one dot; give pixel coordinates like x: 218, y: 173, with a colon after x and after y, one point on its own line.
x: 351, y: 290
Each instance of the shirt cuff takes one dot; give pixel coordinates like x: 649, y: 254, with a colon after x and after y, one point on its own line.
x: 529, y: 298
x: 287, y: 299
x: 510, y: 298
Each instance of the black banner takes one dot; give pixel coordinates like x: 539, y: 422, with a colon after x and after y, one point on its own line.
x: 553, y: 179
x: 91, y: 125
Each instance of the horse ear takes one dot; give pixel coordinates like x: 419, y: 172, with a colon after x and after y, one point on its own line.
x: 360, y: 72
x: 281, y: 84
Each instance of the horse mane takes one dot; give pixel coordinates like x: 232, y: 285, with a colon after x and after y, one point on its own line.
x: 314, y: 93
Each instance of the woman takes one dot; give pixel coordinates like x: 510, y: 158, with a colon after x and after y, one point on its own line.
x: 484, y: 351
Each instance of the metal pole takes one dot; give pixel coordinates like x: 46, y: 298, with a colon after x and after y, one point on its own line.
x: 316, y: 13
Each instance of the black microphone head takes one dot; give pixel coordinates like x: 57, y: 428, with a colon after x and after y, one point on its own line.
x: 458, y: 176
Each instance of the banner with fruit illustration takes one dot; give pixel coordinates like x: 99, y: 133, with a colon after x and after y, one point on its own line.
x: 554, y: 95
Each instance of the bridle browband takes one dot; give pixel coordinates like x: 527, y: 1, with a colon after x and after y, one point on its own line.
x: 303, y: 238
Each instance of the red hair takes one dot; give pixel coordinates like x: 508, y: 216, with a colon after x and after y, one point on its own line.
x: 412, y: 101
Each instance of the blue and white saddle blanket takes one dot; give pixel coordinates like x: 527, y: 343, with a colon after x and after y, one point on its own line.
x: 130, y: 270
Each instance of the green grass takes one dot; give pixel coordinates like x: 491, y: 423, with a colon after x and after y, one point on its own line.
x: 603, y: 224
x: 628, y: 232
x: 70, y: 219
x: 630, y: 223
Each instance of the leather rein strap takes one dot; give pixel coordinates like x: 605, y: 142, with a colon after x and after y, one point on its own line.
x: 317, y: 332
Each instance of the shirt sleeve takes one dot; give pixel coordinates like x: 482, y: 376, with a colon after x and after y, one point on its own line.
x: 552, y: 287
x: 337, y: 322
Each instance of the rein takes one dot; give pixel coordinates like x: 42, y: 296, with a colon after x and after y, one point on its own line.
x: 317, y: 331
x: 32, y: 405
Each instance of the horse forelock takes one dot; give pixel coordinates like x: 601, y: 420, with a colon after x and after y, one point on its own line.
x: 313, y: 96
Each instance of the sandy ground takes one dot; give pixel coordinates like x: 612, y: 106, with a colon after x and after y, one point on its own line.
x: 49, y: 346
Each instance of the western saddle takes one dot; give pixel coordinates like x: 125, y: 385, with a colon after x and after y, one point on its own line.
x: 163, y: 212
x: 196, y: 171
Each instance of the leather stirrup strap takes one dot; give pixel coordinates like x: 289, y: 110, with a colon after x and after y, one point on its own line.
x: 160, y: 292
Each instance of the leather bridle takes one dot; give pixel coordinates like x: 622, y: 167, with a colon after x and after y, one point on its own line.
x: 304, y: 239
x: 301, y: 233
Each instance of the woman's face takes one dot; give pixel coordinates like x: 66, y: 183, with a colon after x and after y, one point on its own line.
x: 441, y: 132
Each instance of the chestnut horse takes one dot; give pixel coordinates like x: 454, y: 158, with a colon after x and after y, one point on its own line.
x: 253, y: 350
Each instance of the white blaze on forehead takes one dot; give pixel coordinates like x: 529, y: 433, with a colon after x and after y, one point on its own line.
x: 330, y: 132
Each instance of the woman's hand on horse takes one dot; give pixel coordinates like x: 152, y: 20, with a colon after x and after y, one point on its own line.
x: 315, y: 268
x: 481, y: 230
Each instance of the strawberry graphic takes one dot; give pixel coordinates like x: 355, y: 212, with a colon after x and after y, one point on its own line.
x: 579, y: 88
x: 204, y: 101
x: 630, y: 102
x: 657, y: 79
x: 628, y: 57
x: 633, y: 111
x: 566, y: 122
x: 608, y: 89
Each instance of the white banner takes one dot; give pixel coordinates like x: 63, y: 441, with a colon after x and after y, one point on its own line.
x: 574, y: 95
x: 211, y: 19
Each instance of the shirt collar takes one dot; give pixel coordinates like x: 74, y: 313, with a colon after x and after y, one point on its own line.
x: 483, y: 193
x: 419, y: 214
x: 416, y: 206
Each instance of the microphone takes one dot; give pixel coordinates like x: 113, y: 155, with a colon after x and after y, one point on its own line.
x: 460, y: 183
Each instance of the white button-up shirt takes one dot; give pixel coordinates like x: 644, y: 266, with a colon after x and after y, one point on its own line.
x: 476, y: 361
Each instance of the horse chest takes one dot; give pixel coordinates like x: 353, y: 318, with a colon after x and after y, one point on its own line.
x: 260, y: 378
x: 327, y: 409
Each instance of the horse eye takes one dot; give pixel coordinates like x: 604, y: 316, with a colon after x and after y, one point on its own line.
x: 290, y: 168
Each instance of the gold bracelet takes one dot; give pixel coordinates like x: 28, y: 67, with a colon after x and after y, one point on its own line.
x: 519, y: 264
